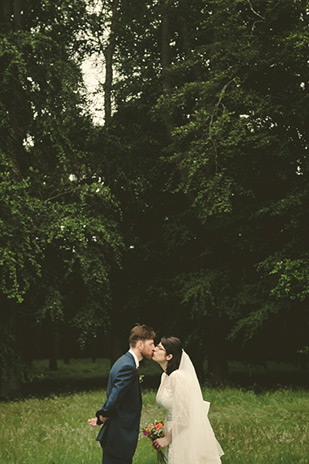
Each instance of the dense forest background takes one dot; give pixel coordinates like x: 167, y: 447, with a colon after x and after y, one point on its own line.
x: 186, y: 207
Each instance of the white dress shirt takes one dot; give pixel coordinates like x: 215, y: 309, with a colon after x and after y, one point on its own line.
x: 135, y: 358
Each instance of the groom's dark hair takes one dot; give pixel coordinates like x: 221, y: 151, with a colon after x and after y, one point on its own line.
x: 141, y: 332
x: 172, y: 346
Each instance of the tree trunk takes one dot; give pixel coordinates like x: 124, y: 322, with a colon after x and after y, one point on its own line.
x: 218, y: 367
x: 54, y: 348
x: 66, y: 342
x: 12, y: 19
x: 6, y: 8
x: 12, y: 364
x: 18, y: 17
x: 197, y: 355
x: 53, y: 364
x: 188, y: 50
x: 116, y: 344
x: 166, y: 59
x: 119, y: 322
x: 109, y: 53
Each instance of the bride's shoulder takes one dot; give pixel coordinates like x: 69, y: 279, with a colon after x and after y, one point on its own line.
x: 178, y: 379
x: 177, y: 374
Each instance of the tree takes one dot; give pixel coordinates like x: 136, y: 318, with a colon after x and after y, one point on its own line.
x: 245, y: 117
x: 233, y: 104
x: 59, y: 221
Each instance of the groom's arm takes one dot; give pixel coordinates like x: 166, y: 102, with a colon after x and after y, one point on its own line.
x: 121, y: 384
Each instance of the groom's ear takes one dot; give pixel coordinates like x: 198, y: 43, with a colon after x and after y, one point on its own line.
x: 169, y: 357
x: 139, y: 344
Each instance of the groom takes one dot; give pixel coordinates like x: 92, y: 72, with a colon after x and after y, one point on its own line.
x: 120, y: 414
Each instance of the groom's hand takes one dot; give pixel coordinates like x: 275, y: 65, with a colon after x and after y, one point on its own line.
x: 94, y: 420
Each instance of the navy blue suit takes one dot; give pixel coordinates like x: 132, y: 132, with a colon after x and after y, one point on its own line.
x: 119, y: 434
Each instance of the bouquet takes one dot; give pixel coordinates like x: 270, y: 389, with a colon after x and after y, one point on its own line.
x: 154, y: 431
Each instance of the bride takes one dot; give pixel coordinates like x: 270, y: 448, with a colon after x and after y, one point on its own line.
x: 189, y: 438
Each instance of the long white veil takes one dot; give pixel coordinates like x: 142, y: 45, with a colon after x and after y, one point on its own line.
x: 193, y: 439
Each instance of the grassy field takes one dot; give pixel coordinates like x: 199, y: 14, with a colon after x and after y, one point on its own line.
x: 266, y: 428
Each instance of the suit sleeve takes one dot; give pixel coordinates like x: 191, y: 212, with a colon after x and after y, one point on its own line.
x: 121, y: 384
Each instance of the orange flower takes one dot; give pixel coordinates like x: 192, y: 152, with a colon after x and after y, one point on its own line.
x: 158, y: 426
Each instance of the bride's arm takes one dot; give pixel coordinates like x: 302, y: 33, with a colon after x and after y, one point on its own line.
x: 180, y: 411
x: 181, y: 401
x: 160, y: 443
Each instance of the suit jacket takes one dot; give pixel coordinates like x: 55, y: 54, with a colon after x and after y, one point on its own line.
x: 119, y: 434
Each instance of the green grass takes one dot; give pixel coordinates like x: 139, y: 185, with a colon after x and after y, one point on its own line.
x: 268, y: 428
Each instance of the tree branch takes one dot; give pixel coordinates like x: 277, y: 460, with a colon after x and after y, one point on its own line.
x: 254, y: 11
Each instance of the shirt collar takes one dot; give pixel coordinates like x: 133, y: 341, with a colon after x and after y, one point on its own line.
x: 135, y: 358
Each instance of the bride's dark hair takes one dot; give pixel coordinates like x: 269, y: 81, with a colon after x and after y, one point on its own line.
x: 172, y: 346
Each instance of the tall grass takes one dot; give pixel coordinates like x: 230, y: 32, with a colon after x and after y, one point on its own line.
x: 269, y: 428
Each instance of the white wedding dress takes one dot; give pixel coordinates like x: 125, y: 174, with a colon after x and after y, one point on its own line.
x: 193, y: 440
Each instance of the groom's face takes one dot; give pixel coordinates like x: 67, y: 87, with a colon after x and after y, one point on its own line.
x: 147, y: 348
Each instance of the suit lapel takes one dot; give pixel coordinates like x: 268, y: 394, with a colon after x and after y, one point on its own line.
x: 137, y: 374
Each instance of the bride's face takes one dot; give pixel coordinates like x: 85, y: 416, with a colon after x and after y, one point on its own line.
x: 159, y: 354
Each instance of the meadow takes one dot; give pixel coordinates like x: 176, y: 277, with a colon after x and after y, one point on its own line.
x: 253, y: 428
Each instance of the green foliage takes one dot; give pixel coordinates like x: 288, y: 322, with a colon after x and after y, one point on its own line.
x: 59, y: 224
x: 293, y: 279
x: 20, y: 252
x: 192, y: 199
x: 230, y: 144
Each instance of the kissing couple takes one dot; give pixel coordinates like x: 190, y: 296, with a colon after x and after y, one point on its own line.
x: 188, y: 436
